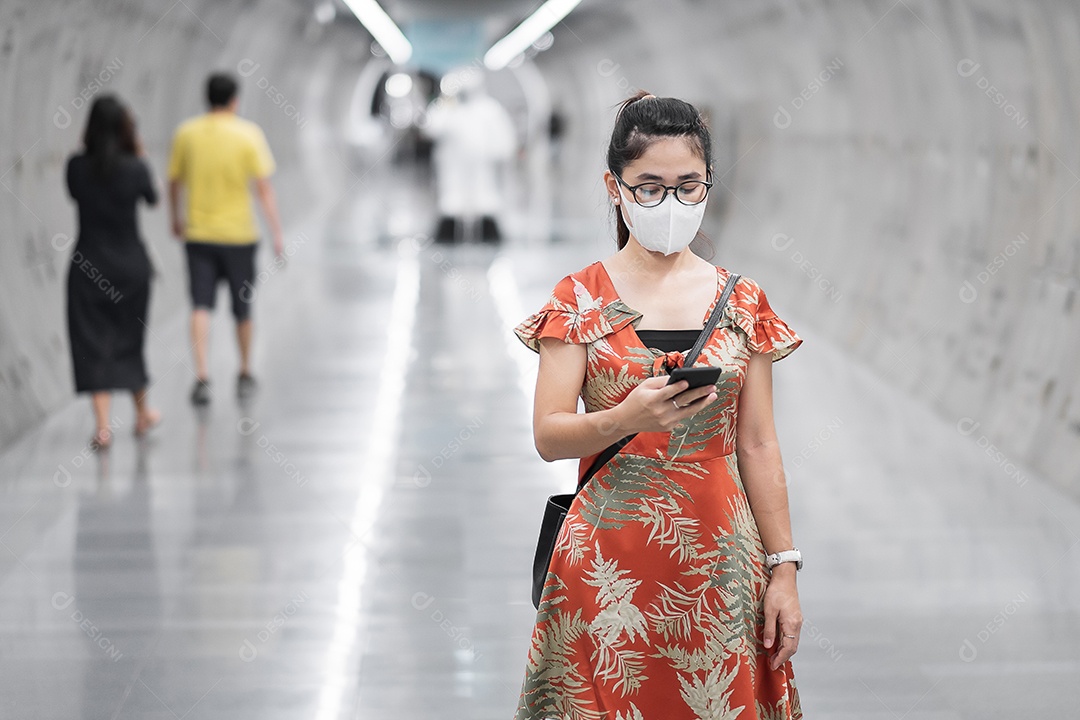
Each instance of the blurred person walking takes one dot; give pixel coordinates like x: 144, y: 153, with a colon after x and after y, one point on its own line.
x: 108, y: 282
x: 474, y: 139
x: 215, y: 159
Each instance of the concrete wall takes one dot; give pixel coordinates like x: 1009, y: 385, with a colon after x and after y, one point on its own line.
x: 902, y: 177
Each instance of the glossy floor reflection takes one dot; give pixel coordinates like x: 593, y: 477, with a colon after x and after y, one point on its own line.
x: 356, y: 541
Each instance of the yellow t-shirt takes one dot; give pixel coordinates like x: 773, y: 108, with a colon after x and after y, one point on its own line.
x: 216, y: 156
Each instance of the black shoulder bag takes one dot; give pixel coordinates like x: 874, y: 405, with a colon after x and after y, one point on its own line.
x: 557, y: 505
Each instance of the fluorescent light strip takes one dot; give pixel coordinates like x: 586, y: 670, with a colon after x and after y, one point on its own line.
x: 386, y: 33
x: 376, y: 476
x: 520, y: 38
x: 508, y: 304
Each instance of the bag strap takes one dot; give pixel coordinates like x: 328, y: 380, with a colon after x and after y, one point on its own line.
x: 606, y: 454
x: 612, y: 450
x: 714, y: 318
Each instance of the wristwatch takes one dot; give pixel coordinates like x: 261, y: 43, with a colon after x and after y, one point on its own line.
x: 792, y: 555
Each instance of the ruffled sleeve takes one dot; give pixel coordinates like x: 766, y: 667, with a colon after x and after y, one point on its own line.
x: 572, y: 315
x: 771, y: 334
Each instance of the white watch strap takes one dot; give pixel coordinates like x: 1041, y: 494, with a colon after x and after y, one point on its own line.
x: 792, y: 555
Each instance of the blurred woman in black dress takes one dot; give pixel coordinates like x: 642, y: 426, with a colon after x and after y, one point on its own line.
x: 108, y: 284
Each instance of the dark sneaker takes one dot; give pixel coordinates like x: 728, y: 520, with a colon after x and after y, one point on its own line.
x: 448, y: 230
x: 200, y: 394
x: 245, y: 386
x: 489, y: 230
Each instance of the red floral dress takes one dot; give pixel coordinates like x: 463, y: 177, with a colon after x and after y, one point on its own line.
x: 653, y: 605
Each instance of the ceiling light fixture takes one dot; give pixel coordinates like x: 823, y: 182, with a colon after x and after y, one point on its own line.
x: 533, y: 27
x: 399, y: 85
x: 386, y: 33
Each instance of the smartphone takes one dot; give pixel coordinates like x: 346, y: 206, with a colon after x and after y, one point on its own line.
x: 696, y: 376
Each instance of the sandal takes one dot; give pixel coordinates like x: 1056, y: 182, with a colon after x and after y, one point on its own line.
x: 101, y: 440
x: 147, y: 422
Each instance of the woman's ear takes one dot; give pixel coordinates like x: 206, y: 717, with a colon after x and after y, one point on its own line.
x: 612, y: 185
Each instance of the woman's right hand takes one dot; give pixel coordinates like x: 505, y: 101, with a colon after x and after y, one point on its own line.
x: 650, y: 408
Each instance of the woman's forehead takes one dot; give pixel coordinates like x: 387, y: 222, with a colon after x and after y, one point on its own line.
x: 668, y: 156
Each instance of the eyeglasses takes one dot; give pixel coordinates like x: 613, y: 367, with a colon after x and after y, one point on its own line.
x: 650, y: 194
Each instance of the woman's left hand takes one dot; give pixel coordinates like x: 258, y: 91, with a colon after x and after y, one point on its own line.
x: 783, y: 618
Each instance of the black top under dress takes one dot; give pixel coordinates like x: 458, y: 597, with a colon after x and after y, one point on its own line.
x: 669, y: 340
x: 108, y: 283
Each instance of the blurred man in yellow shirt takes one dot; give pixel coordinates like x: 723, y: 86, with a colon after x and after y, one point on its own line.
x: 215, y: 158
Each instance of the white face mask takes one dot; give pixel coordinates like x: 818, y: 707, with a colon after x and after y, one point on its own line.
x: 668, y: 227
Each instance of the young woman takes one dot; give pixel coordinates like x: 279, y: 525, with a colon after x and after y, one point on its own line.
x: 659, y: 600
x: 108, y: 284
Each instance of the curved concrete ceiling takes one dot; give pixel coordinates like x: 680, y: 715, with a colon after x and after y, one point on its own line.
x: 901, y: 175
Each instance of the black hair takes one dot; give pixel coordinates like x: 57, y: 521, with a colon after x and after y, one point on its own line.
x: 641, y: 120
x: 109, y: 133
x: 221, y: 88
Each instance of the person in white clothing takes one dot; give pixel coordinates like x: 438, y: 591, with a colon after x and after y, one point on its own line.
x: 474, y: 137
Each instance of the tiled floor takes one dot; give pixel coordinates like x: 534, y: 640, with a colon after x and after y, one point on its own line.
x: 356, y: 541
